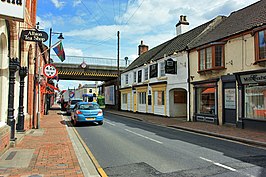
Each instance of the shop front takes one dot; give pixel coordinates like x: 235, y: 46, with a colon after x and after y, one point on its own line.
x: 206, y: 101
x: 252, y: 99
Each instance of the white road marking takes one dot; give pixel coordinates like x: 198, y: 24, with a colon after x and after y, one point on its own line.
x: 144, y: 136
x: 109, y: 123
x: 218, y: 164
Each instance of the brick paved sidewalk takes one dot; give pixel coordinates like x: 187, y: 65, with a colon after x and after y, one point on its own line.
x: 229, y: 132
x: 53, y: 154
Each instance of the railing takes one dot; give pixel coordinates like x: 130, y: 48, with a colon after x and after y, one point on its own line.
x: 90, y: 61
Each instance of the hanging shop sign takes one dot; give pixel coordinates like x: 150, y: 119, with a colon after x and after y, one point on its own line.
x: 34, y: 36
x: 12, y: 9
x: 170, y: 66
x: 49, y: 70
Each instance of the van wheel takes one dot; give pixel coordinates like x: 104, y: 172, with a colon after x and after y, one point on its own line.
x: 100, y: 122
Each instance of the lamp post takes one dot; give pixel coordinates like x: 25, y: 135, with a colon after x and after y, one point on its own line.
x: 126, y: 59
x: 60, y: 37
x: 13, y: 67
x: 50, y: 41
x: 23, y: 71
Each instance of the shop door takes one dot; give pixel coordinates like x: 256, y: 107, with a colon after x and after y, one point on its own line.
x: 135, y: 102
x: 229, y: 102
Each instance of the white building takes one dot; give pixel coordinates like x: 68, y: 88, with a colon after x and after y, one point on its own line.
x: 157, y: 81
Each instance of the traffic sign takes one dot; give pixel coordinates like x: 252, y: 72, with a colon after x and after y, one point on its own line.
x: 49, y: 70
x: 71, y: 94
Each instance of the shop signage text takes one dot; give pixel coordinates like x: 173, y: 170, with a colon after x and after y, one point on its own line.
x: 34, y: 36
x: 253, y: 78
x: 13, y: 9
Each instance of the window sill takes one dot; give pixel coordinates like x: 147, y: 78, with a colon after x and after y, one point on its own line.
x: 146, y: 82
x: 162, y: 78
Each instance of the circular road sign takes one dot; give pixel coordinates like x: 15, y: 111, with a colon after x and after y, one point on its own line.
x: 49, y: 70
x: 71, y: 94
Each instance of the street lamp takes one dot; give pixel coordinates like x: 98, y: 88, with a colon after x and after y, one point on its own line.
x: 60, y: 37
x: 126, y: 59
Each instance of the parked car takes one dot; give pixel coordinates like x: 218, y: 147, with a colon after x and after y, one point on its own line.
x: 71, y: 104
x: 87, y: 112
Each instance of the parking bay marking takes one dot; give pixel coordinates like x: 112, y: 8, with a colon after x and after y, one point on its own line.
x: 144, y: 136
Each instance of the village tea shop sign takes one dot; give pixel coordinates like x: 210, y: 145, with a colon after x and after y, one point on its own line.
x: 34, y: 36
x: 12, y: 9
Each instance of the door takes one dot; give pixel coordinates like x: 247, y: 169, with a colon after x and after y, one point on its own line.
x: 229, y: 102
x: 135, y: 102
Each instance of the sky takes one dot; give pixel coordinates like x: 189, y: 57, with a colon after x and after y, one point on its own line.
x: 90, y: 27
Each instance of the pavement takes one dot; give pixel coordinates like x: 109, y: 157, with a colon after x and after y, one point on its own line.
x: 55, y: 149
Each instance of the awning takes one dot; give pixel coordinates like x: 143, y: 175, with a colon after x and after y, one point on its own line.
x: 209, y: 90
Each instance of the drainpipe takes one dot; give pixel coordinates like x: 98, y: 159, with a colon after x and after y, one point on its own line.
x: 188, y: 80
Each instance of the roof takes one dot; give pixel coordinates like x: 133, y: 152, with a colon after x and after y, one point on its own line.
x: 237, y: 22
x: 176, y: 44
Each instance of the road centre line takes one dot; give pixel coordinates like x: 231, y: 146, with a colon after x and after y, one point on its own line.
x: 144, y: 136
x: 218, y: 164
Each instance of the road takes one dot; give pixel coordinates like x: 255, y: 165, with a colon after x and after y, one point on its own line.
x: 126, y: 147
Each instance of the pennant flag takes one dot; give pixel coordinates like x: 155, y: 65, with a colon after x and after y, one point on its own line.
x: 59, y: 50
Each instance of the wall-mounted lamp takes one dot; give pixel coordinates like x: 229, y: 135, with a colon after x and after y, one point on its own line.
x: 151, y: 61
x: 229, y: 62
x: 183, y: 64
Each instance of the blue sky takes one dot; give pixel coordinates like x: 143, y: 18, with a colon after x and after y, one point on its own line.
x: 90, y: 26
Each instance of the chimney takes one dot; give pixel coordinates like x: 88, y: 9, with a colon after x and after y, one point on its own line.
x: 143, y: 48
x: 182, y: 26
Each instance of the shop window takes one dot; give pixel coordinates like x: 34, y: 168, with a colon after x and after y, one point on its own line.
x: 158, y: 98
x: 211, y: 58
x: 142, y: 97
x: 206, y: 100
x: 255, y: 100
x: 260, y: 45
x: 124, y: 98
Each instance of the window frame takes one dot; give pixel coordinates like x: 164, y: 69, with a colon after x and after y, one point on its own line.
x: 146, y: 74
x: 256, y: 43
x: 213, y: 58
x: 126, y: 79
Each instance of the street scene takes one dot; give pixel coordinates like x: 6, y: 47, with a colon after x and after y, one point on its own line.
x: 132, y: 88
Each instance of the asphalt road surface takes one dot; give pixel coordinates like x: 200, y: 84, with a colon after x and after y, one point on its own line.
x: 126, y: 147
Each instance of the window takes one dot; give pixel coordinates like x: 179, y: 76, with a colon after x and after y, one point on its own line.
x: 142, y: 97
x: 139, y: 76
x: 162, y: 69
x: 124, y: 98
x: 135, y: 76
x: 206, y: 100
x: 211, y: 57
x: 158, y: 98
x: 146, y: 76
x: 255, y: 98
x: 126, y: 78
x: 261, y: 45
x: 154, y: 70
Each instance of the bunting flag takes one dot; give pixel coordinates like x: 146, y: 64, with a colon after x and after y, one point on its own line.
x: 59, y: 50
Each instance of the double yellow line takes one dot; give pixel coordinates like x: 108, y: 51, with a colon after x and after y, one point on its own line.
x: 94, y: 161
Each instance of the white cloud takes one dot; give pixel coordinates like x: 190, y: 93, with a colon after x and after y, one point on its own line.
x: 44, y: 24
x: 57, y: 3
x: 73, y: 52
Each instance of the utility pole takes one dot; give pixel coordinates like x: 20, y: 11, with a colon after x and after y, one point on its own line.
x: 118, y: 70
